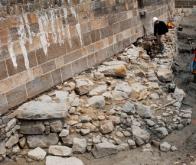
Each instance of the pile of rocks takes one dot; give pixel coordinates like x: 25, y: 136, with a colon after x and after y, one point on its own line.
x: 120, y: 105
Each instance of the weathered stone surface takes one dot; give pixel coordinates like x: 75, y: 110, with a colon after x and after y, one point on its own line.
x: 62, y: 96
x: 37, y: 154
x: 32, y: 128
x: 42, y: 141
x: 10, y: 124
x: 22, y: 142
x: 123, y: 147
x: 98, y: 90
x: 161, y: 132
x: 106, y: 127
x: 56, y: 126
x: 165, y: 147
x: 79, y: 145
x: 123, y: 87
x: 16, y: 149
x: 104, y: 149
x: 83, y: 86
x: 54, y: 160
x: 36, y: 110
x: 144, y: 111
x: 97, y: 101
x: 2, y: 148
x: 129, y: 108
x: 60, y: 150
x: 67, y: 141
x: 64, y: 133
x: 137, y: 90
x: 140, y: 133
x: 114, y: 70
x: 164, y: 75
x: 12, y: 141
x: 131, y: 143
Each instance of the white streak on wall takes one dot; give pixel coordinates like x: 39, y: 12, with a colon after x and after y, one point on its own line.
x: 12, y: 54
x: 73, y: 12
x: 78, y: 28
x: 43, y: 39
x: 28, y: 28
x: 68, y: 35
x: 22, y: 41
x: 53, y: 26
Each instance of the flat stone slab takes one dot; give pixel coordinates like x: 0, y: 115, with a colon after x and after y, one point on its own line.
x: 37, y: 110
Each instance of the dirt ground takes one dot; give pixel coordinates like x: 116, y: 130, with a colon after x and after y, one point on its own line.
x: 184, y: 140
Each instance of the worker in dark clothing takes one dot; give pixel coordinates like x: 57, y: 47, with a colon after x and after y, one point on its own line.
x: 160, y: 28
x: 193, y: 66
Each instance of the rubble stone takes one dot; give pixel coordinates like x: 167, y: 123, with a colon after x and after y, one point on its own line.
x: 83, y: 86
x: 79, y: 145
x: 37, y: 154
x: 97, y: 101
x: 106, y: 127
x: 164, y: 75
x: 10, y: 124
x: 56, y: 126
x: 104, y: 149
x: 60, y: 150
x: 12, y: 141
x: 98, y: 90
x: 51, y: 160
x: 165, y: 147
x: 42, y: 141
x: 32, y: 128
x: 129, y: 108
x: 140, y: 133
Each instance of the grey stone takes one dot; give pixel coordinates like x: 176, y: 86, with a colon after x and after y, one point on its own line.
x: 114, y: 70
x: 97, y: 101
x: 150, y: 122
x: 60, y: 150
x: 42, y: 141
x: 164, y: 75
x: 79, y: 145
x: 140, y: 133
x: 123, y: 147
x: 32, y: 128
x: 74, y: 100
x: 83, y: 86
x: 98, y: 90
x: 10, y: 124
x: 56, y: 126
x: 54, y: 160
x: 115, y: 62
x: 123, y: 87
x: 16, y: 149
x: 118, y: 95
x: 12, y: 141
x: 22, y: 142
x: 129, y: 108
x: 85, y: 119
x: 45, y: 98
x: 84, y: 131
x: 67, y: 141
x: 2, y: 148
x: 62, y: 96
x: 106, y: 127
x: 144, y: 111
x: 36, y: 110
x: 173, y: 148
x: 165, y: 147
x: 104, y: 149
x: 131, y: 143
x: 64, y: 133
x: 37, y: 154
x: 161, y: 132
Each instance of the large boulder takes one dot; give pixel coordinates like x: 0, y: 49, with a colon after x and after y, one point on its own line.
x: 55, y: 160
x: 104, y: 149
x: 36, y: 110
x: 43, y: 141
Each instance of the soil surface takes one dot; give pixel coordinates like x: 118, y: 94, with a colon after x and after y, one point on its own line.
x: 184, y: 140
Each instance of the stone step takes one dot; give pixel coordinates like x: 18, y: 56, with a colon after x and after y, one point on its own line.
x: 36, y: 110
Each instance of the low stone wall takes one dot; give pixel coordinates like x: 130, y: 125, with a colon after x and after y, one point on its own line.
x: 185, y: 3
x: 43, y: 44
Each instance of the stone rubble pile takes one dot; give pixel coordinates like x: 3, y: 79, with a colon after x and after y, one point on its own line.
x: 122, y: 104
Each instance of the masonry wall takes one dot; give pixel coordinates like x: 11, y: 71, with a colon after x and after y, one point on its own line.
x: 185, y: 3
x: 43, y: 43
